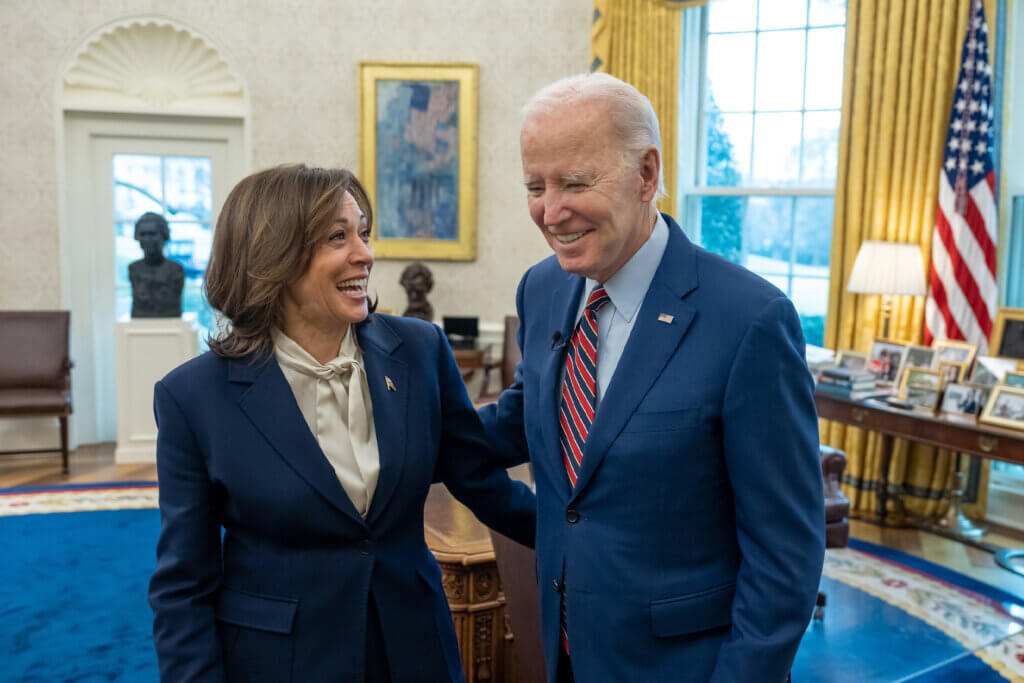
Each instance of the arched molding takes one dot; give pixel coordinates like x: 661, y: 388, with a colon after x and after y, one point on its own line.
x: 151, y: 65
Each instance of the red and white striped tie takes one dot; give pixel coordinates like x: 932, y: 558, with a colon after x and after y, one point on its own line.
x: 578, y: 400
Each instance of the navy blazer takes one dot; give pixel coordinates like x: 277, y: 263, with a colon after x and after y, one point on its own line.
x: 692, y: 545
x: 282, y: 596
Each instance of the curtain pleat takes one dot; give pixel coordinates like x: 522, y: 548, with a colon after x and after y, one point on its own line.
x: 638, y: 41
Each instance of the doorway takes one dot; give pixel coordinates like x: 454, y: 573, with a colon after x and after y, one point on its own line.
x: 118, y: 167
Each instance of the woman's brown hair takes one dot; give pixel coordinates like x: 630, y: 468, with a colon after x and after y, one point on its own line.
x: 270, y: 226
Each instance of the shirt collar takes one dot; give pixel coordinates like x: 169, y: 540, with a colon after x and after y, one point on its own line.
x: 628, y: 287
x: 289, y: 348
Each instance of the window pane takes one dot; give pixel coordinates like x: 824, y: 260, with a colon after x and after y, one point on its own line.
x: 137, y: 187
x: 780, y: 70
x: 123, y: 304
x: 126, y: 250
x: 781, y: 14
x: 731, y: 15
x: 810, y: 297
x: 763, y: 224
x: 825, y: 68
x: 190, y: 246
x: 813, y: 235
x: 728, y: 149
x: 821, y: 148
x: 731, y: 71
x: 189, y: 192
x: 768, y: 228
x: 776, y: 150
x: 721, y: 224
x: 824, y: 12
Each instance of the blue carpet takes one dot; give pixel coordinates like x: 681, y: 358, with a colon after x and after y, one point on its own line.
x: 73, y: 596
x: 73, y: 608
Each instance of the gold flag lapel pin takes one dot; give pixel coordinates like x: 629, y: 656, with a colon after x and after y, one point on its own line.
x: 666, y: 318
x: 391, y: 385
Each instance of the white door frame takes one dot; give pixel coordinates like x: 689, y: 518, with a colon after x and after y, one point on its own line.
x: 87, y: 241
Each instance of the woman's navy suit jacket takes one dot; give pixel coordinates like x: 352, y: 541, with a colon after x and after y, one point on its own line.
x: 282, y: 594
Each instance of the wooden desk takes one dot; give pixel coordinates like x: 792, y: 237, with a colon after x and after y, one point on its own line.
x: 955, y: 432
x: 462, y: 546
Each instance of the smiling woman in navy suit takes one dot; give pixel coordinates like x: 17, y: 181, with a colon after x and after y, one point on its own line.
x: 310, y: 433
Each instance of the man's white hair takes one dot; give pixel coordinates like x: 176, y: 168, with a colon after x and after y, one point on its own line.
x: 632, y: 116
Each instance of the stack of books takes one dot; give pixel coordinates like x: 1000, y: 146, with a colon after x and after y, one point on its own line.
x: 855, y: 385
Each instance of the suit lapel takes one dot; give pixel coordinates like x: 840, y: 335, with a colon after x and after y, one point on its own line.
x: 270, y: 405
x: 565, y: 301
x: 390, y: 404
x: 650, y: 346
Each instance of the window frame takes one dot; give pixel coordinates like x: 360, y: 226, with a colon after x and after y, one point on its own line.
x: 692, y: 147
x: 188, y: 288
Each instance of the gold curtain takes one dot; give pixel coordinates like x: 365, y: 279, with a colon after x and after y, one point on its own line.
x: 902, y: 62
x: 638, y: 41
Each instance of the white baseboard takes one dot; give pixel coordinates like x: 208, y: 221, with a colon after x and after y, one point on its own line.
x: 135, y: 454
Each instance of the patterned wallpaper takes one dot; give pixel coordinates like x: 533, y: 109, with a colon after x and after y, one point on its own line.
x: 299, y: 60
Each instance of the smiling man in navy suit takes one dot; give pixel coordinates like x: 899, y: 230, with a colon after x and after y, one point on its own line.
x: 665, y: 403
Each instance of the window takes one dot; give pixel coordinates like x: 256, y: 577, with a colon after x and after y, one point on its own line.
x: 180, y: 189
x: 762, y: 93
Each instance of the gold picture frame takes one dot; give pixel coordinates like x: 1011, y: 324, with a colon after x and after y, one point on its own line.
x: 852, y: 360
x: 896, y: 348
x: 418, y: 158
x: 1012, y: 318
x: 929, y: 399
x: 961, y: 372
x: 1014, y: 379
x: 941, y: 345
x: 1012, y: 403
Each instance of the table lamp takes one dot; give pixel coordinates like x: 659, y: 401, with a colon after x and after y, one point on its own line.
x: 890, y: 269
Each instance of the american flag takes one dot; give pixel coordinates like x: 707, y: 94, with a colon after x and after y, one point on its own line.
x: 962, y: 298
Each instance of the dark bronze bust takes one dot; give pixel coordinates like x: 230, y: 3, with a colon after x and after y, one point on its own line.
x: 417, y: 280
x: 157, y: 281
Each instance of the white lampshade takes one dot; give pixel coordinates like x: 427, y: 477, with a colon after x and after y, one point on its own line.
x: 888, y: 268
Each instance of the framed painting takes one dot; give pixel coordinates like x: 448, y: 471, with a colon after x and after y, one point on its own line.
x: 418, y: 158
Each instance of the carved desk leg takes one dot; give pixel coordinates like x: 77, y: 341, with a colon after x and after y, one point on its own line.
x: 478, y: 611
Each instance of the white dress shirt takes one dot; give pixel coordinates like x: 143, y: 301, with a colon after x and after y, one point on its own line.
x: 626, y: 289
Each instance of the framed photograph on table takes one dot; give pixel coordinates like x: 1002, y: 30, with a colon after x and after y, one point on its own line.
x: 964, y: 399
x: 949, y: 349
x: 886, y: 359
x: 854, y: 361
x: 418, y: 158
x: 1014, y: 379
x: 1008, y: 334
x: 951, y: 371
x: 990, y: 370
x: 920, y: 387
x: 919, y: 356
x: 1005, y: 407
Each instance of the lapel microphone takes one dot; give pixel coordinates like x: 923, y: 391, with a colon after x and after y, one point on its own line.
x: 555, y: 338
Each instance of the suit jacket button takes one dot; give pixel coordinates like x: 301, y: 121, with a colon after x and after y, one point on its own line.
x: 556, y: 585
x: 572, y: 515
x: 365, y: 546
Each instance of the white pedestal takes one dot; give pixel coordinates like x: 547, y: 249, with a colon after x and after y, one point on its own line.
x: 145, y: 350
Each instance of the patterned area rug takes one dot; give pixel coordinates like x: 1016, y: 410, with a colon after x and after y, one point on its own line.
x: 77, y: 561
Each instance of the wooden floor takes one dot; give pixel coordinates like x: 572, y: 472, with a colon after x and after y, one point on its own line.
x: 94, y: 464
